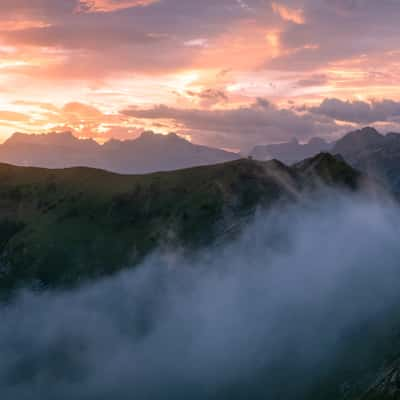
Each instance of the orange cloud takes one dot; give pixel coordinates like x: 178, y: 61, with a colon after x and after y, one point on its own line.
x: 294, y: 15
x: 111, y: 5
x: 82, y: 111
x: 246, y: 45
x: 13, y: 116
x: 21, y: 24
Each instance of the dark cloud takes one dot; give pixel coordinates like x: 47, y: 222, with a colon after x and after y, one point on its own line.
x: 136, y: 39
x: 319, y: 41
x: 209, y: 94
x: 162, y: 27
x: 242, y: 127
x: 36, y: 8
x: 168, y: 17
x: 359, y: 111
x: 209, y: 97
x: 84, y: 36
x: 263, y: 122
x: 313, y: 80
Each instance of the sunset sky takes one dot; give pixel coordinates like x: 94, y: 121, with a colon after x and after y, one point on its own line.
x: 225, y: 73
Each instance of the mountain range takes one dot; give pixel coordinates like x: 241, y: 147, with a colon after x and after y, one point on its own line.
x: 291, y: 152
x: 365, y: 149
x: 376, y: 154
x: 148, y: 153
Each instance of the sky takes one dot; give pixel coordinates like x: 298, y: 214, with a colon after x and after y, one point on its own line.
x: 223, y: 73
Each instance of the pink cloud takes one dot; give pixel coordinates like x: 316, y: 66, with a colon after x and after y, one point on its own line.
x: 90, y: 6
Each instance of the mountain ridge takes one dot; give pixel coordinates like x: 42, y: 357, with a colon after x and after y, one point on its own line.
x: 376, y: 154
x: 55, y: 225
x: 290, y: 152
x: 148, y: 153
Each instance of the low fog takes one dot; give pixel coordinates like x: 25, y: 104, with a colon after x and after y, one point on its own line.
x: 267, y: 315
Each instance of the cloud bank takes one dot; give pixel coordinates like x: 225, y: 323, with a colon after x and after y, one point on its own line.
x: 241, y: 127
x: 361, y: 112
x: 262, y: 317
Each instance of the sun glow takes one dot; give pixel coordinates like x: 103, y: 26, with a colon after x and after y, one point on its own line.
x: 183, y: 81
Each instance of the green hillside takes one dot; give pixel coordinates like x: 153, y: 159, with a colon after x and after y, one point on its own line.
x: 58, y: 227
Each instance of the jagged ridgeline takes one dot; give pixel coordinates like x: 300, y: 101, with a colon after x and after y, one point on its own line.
x: 148, y: 153
x: 60, y: 227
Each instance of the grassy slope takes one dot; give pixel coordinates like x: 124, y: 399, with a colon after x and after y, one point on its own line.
x: 60, y: 226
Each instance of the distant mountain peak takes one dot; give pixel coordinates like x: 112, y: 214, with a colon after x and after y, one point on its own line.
x: 173, y: 135
x: 146, y: 134
x: 358, y: 140
x: 65, y: 137
x: 331, y: 169
x: 317, y: 141
x: 367, y: 132
x: 152, y: 137
x: 150, y: 152
x: 290, y: 152
x: 317, y: 160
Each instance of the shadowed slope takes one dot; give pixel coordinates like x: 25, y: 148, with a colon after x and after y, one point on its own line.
x: 61, y: 226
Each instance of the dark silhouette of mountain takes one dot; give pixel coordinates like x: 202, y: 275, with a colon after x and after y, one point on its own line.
x: 148, y: 153
x: 358, y: 141
x: 59, y: 227
x: 290, y: 152
x: 376, y: 154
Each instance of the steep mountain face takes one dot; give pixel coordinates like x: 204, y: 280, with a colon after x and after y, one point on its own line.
x: 56, y: 150
x: 290, y: 152
x: 359, y: 140
x: 376, y: 154
x: 58, y: 227
x: 151, y: 152
x: 148, y: 153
